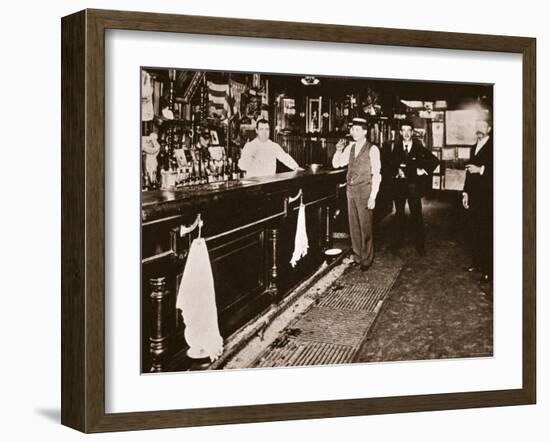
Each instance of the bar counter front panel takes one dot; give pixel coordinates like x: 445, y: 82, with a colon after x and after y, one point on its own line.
x: 249, y: 226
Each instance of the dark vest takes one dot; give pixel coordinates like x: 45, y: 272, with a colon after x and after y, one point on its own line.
x: 360, y: 168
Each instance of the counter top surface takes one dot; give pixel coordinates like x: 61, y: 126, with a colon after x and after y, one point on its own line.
x: 151, y: 198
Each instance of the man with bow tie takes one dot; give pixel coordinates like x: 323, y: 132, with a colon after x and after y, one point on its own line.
x: 477, y: 199
x: 363, y: 181
x: 412, y: 167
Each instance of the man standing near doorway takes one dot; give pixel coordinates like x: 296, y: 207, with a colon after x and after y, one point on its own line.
x: 413, y: 165
x: 363, y: 181
x: 477, y: 199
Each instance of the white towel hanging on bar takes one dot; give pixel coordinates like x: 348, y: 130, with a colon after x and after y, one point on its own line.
x: 197, y: 301
x: 301, y: 243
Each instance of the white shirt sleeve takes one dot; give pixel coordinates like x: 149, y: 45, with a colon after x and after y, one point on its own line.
x: 341, y: 157
x: 285, y: 158
x: 374, y: 154
x: 245, y: 159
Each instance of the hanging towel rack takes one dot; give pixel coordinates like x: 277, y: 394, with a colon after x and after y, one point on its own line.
x: 185, y: 230
x: 290, y: 199
x: 300, y: 195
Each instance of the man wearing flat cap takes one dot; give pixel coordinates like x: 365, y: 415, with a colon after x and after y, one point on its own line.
x: 363, y: 181
x: 412, y: 167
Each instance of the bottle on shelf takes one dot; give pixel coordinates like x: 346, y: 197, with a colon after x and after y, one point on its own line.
x: 230, y: 167
x: 145, y: 181
x: 166, y: 158
x: 211, y: 171
x: 199, y: 170
x: 186, y: 174
x: 206, y: 177
x: 226, y: 171
x: 209, y: 176
x: 194, y: 173
x: 234, y: 171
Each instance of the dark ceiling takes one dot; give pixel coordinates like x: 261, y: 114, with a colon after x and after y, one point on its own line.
x: 390, y: 91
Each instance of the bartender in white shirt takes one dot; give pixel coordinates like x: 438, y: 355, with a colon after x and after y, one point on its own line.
x: 259, y: 156
x: 363, y: 181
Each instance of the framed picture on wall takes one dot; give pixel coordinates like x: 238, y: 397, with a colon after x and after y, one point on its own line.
x: 214, y: 137
x: 464, y: 153
x: 127, y: 243
x: 438, y: 129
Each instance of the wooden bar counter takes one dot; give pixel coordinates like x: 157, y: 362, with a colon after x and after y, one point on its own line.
x: 249, y: 227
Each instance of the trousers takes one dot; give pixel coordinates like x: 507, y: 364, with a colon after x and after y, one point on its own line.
x: 481, y: 233
x: 417, y: 220
x: 360, y: 225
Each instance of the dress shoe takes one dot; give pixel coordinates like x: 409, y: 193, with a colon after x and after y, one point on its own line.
x: 364, y: 268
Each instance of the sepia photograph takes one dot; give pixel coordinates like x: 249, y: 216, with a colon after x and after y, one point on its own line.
x: 292, y: 220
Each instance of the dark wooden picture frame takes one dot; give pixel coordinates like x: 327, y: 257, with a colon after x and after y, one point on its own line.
x: 83, y: 220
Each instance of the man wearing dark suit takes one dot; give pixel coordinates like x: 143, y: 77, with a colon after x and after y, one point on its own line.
x: 477, y: 199
x: 412, y: 167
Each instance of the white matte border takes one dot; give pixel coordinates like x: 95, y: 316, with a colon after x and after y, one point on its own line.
x: 127, y: 390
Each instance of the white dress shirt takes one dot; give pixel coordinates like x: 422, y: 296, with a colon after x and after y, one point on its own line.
x: 341, y: 159
x: 481, y: 143
x: 260, y: 158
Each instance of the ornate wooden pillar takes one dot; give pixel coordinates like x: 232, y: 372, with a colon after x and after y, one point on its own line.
x: 328, y: 227
x: 272, y: 287
x: 158, y: 338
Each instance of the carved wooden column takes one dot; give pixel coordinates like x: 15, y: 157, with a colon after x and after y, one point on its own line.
x: 328, y: 227
x: 272, y: 288
x: 158, y: 338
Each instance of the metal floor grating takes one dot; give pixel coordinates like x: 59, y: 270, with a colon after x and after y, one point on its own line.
x: 354, y: 297
x: 297, y: 353
x: 333, y: 326
x: 332, y: 331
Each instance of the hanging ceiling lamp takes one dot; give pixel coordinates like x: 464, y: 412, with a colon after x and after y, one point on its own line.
x: 310, y: 80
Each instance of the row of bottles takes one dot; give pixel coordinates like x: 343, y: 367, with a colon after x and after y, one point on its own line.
x: 193, y: 173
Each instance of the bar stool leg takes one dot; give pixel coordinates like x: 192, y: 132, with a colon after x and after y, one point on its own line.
x: 158, y: 338
x: 272, y: 287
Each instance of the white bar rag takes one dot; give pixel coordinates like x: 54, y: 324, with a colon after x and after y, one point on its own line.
x: 197, y: 301
x: 301, y: 243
